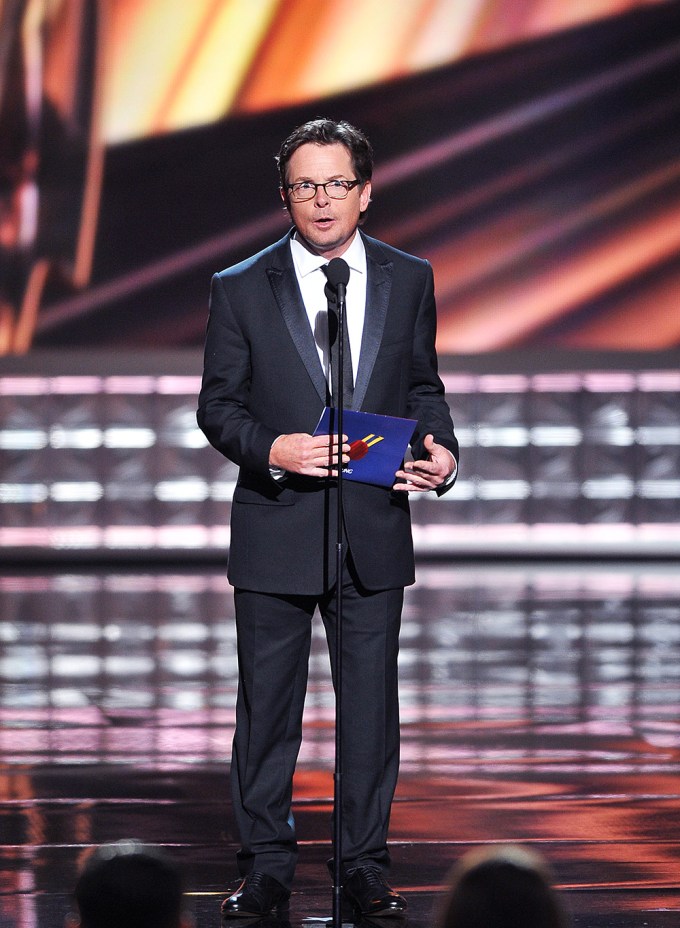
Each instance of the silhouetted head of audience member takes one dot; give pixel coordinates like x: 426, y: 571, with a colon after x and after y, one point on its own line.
x: 129, y: 885
x: 501, y: 887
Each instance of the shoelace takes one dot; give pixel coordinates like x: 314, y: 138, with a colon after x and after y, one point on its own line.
x: 255, y: 883
x: 371, y: 876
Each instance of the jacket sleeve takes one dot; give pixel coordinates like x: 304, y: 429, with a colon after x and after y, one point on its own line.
x: 223, y: 414
x: 426, y: 398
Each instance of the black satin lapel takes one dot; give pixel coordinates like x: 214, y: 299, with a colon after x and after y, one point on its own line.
x: 378, y: 288
x: 285, y: 288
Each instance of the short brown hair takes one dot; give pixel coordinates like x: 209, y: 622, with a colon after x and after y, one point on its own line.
x: 328, y: 132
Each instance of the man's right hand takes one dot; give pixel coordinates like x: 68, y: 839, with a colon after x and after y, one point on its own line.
x: 311, y: 455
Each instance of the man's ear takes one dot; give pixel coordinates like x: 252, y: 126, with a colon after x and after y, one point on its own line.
x: 365, y: 196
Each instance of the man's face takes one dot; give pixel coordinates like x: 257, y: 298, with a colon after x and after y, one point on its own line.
x: 326, y: 225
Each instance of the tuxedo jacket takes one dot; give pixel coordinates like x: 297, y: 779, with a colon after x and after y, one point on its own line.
x: 263, y: 378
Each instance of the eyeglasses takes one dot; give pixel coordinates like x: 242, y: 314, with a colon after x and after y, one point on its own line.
x: 335, y: 189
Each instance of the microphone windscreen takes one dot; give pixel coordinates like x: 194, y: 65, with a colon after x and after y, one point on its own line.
x: 337, y: 272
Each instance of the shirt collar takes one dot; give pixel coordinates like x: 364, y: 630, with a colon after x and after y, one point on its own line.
x: 306, y: 262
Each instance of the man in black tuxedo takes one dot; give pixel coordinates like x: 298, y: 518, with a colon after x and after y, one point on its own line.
x: 266, y: 381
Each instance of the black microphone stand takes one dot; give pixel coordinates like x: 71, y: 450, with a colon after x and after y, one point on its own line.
x: 337, y: 776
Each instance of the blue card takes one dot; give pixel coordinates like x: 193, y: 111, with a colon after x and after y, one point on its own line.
x: 377, y: 443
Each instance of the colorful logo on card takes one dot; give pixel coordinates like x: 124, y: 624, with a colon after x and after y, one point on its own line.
x: 359, y: 449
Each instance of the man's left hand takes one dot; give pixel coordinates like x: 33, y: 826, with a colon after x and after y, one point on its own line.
x: 421, y: 476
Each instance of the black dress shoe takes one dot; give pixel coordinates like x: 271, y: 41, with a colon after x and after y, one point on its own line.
x: 257, y: 896
x: 369, y: 893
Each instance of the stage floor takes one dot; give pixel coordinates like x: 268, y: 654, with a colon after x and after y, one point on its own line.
x: 540, y: 704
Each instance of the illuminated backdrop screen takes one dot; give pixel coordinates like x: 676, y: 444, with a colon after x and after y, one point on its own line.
x: 528, y: 148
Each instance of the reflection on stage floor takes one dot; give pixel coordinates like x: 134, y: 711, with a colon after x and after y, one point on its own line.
x: 540, y: 704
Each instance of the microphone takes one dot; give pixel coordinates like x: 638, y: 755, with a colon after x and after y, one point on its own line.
x: 337, y: 273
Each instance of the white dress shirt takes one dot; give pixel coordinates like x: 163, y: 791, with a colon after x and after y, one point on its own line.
x: 312, y: 281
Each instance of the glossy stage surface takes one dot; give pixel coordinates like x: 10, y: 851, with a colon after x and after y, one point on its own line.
x: 540, y: 704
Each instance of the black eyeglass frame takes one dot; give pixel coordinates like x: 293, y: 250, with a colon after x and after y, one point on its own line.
x: 346, y: 184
